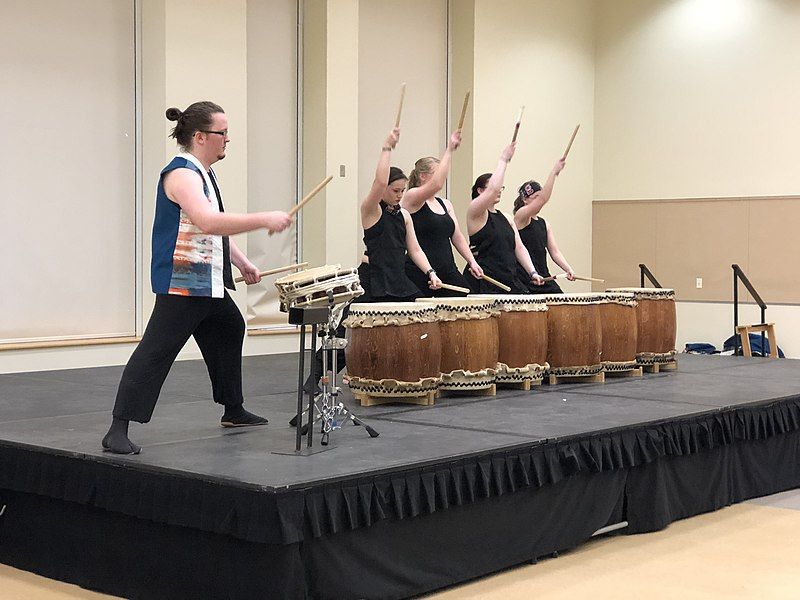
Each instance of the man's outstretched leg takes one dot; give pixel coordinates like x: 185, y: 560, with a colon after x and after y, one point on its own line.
x: 220, y: 337
x: 172, y: 322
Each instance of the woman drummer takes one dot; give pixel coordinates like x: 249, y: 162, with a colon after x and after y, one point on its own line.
x: 494, y: 239
x: 389, y: 236
x: 435, y: 223
x: 536, y: 234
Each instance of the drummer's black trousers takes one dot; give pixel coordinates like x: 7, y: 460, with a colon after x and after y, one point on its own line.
x: 217, y: 327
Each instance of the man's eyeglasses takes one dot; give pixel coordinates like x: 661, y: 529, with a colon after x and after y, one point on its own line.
x: 223, y: 133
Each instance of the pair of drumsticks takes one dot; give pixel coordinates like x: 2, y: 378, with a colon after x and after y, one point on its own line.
x: 505, y: 288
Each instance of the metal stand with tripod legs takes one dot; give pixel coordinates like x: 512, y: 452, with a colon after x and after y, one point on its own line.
x: 331, y: 412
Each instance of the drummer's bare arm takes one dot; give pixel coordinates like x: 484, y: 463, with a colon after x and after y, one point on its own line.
x: 555, y: 254
x: 416, y: 197
x: 460, y: 243
x: 185, y: 188
x: 415, y: 252
x: 248, y: 270
x: 522, y: 254
x: 536, y: 202
x: 547, y: 190
x: 478, y: 208
x: 371, y: 204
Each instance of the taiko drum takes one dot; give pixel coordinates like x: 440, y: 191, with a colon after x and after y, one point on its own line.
x: 619, y: 332
x: 574, y: 334
x: 393, y: 349
x: 656, y: 323
x: 522, y: 336
x: 469, y: 341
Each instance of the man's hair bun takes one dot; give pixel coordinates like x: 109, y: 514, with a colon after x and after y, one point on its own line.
x: 173, y: 114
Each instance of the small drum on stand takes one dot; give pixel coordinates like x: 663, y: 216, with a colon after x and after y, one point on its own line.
x: 574, y: 335
x: 310, y: 287
x: 619, y: 333
x: 393, y: 352
x: 469, y: 342
x: 522, y: 337
x: 657, y: 324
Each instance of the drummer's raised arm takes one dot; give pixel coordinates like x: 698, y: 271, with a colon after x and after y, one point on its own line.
x: 487, y: 196
x: 415, y: 197
x: 370, y: 205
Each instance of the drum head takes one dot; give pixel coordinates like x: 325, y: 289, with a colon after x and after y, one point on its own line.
x: 308, y: 275
x: 646, y: 293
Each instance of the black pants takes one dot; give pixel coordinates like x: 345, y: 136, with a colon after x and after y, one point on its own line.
x: 217, y: 327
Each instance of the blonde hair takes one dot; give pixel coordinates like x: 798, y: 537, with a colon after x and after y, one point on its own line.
x: 427, y: 164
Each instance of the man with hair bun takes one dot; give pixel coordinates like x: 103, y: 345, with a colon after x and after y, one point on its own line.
x: 190, y: 271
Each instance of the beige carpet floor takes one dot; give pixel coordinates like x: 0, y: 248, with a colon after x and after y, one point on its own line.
x: 744, y: 551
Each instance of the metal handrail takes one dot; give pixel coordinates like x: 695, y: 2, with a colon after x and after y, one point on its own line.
x: 738, y: 275
x: 643, y: 270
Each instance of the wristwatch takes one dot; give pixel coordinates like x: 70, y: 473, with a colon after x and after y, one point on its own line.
x: 429, y: 271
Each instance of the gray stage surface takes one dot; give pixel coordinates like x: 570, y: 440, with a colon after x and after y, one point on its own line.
x: 69, y: 411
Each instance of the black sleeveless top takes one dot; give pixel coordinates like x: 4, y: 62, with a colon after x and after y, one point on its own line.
x: 433, y: 233
x: 493, y: 246
x: 534, y: 238
x: 386, y: 249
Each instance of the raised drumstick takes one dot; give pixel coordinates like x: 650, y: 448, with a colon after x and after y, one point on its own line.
x: 496, y: 283
x: 310, y: 195
x: 516, y: 127
x: 278, y: 270
x: 455, y: 288
x: 463, y: 111
x: 400, y: 107
x: 572, y: 139
x: 293, y: 211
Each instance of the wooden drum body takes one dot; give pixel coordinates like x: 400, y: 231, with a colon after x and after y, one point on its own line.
x: 619, y: 332
x: 393, y: 349
x: 656, y: 322
x: 469, y: 341
x: 574, y: 334
x: 522, y: 337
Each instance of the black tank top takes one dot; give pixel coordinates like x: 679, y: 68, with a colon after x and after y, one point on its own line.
x: 534, y: 238
x: 386, y: 249
x: 493, y: 246
x: 433, y: 233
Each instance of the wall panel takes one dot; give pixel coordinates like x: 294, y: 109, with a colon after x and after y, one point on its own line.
x: 683, y: 240
x: 68, y: 215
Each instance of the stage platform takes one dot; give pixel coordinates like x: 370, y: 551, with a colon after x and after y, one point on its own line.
x: 446, y: 493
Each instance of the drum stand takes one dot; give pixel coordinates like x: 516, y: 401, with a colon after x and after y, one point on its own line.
x: 330, y: 410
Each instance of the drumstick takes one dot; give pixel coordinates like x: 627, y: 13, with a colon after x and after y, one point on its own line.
x: 577, y: 277
x: 454, y: 288
x: 494, y: 282
x: 463, y: 112
x: 572, y: 139
x: 274, y: 271
x: 516, y: 127
x: 400, y: 107
x: 309, y: 196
